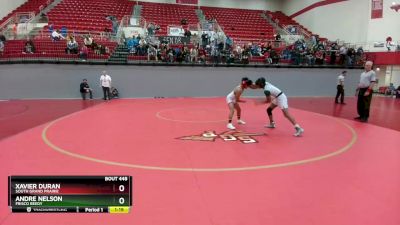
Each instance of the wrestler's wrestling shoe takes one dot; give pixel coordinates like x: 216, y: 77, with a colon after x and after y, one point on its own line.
x: 299, y: 131
x: 271, y: 125
x: 230, y: 126
x: 241, y: 122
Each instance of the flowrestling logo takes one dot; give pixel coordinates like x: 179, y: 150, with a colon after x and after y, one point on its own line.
x: 227, y: 136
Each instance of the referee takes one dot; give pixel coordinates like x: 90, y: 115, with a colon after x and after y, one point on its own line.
x: 367, y: 82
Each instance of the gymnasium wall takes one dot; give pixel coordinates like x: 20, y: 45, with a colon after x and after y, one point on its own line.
x: 272, y: 5
x: 350, y: 19
x: 290, y: 7
x: 347, y: 20
x: 393, y: 75
x: 7, y: 6
x: 242, y: 4
x: 62, y: 81
x: 389, y: 25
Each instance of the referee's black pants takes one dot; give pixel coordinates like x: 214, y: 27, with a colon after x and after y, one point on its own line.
x: 339, y: 93
x: 363, y: 103
x: 106, y: 93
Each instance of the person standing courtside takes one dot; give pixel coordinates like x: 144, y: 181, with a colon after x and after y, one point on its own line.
x: 105, y: 82
x: 367, y: 82
x: 340, y: 88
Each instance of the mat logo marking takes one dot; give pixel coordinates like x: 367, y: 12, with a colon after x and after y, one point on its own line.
x: 227, y: 136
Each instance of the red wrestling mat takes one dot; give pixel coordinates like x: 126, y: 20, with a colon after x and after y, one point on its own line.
x: 188, y: 169
x: 20, y: 115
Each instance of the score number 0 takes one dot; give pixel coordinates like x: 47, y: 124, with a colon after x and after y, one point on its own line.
x: 121, y: 200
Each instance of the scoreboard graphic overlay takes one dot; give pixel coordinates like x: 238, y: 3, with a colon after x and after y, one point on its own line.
x: 70, y: 194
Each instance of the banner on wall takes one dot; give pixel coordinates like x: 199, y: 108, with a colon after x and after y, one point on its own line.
x: 176, y: 31
x: 376, y: 9
x: 191, y: 2
x: 173, y: 40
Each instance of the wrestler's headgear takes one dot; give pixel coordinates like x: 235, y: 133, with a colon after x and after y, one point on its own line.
x: 246, y: 82
x: 260, y: 82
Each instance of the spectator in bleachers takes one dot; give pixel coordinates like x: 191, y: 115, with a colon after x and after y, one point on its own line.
x: 314, y: 40
x: 220, y: 44
x: 1, y: 48
x: 332, y: 59
x: 238, y: 53
x: 253, y: 49
x: 202, y: 55
x: 319, y: 57
x: 83, y: 53
x: 151, y: 29
x: 141, y: 48
x: 286, y: 53
x: 320, y: 45
x: 152, y: 53
x: 158, y: 48
x: 15, y: 30
x: 88, y: 41
x: 231, y: 58
x: 350, y: 56
x: 114, y: 22
x: 295, y: 56
x: 194, y: 53
x: 163, y: 52
x: 274, y: 56
x: 29, y: 47
x: 72, y: 46
x: 398, y: 92
x: 179, y: 55
x: 69, y: 37
x: 267, y: 57
x: 187, y: 33
x: 277, y: 37
x: 309, y: 57
x: 388, y: 43
x: 342, y: 53
x: 2, y: 38
x: 228, y: 42
x: 184, y: 21
x: 246, y: 55
x: 51, y: 28
x: 359, y: 56
x: 391, y: 90
x: 171, y: 53
x: 131, y: 44
x: 186, y: 53
x: 204, y: 39
x: 102, y: 50
x: 215, y: 53
x: 56, y: 36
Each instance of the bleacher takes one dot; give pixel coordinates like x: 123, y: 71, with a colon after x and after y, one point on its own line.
x: 89, y: 15
x: 168, y: 14
x: 283, y: 21
x: 241, y: 24
x: 45, y: 48
x: 29, y: 6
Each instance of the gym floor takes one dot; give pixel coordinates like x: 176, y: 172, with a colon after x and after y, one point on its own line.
x: 189, y: 169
